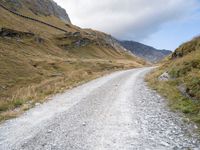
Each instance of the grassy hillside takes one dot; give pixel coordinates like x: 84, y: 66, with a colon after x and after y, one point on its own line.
x: 38, y: 61
x: 183, y: 89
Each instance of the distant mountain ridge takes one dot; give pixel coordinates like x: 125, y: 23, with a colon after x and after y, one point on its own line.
x: 146, y: 52
x: 38, y: 7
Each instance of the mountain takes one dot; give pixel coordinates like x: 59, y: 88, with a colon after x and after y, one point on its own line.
x: 146, y: 52
x: 40, y: 54
x: 182, y: 85
x: 37, y: 7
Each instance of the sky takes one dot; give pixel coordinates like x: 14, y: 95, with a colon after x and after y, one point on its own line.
x: 163, y: 24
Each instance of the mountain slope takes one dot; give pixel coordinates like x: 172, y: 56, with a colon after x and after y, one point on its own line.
x: 146, y: 52
x: 37, y: 8
x: 38, y: 60
x: 183, y: 86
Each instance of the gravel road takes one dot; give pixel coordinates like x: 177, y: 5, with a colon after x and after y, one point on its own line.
x: 115, y: 112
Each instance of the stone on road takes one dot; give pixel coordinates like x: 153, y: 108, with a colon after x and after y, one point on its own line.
x: 115, y: 112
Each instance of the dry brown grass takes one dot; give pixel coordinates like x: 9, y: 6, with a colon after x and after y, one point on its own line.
x: 25, y: 97
x: 30, y: 71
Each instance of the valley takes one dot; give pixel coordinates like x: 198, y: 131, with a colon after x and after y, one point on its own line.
x: 38, y: 60
x: 67, y: 87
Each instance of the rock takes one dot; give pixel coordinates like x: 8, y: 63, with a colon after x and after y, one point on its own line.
x: 3, y: 87
x: 39, y: 7
x: 183, y: 89
x: 49, y: 131
x: 39, y: 39
x: 45, y: 7
x: 6, y: 32
x: 65, y: 46
x: 164, y: 77
x: 77, y: 34
x: 111, y: 41
x: 195, y: 126
x: 84, y: 124
x: 15, y: 4
x: 82, y: 42
x: 37, y: 104
x: 57, y: 75
x: 164, y: 143
x: 17, y: 110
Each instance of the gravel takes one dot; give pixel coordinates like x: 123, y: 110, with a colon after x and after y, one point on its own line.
x: 115, y: 112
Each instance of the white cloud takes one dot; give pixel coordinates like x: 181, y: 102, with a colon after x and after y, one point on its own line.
x: 128, y: 19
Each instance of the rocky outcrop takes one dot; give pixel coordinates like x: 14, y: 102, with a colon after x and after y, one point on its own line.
x: 38, y: 7
x: 19, y: 35
x: 30, y: 18
x: 5, y: 32
x: 98, y: 38
x: 82, y: 42
x: 114, y: 43
x: 48, y: 7
x: 146, y: 52
x: 164, y: 77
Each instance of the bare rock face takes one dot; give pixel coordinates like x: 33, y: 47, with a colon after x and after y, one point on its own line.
x: 48, y: 7
x: 13, y: 5
x: 39, y: 7
x: 114, y: 43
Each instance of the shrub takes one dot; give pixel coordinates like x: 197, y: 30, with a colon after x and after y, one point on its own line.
x: 18, y: 102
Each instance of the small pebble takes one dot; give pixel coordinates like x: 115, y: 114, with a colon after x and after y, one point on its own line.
x: 49, y: 131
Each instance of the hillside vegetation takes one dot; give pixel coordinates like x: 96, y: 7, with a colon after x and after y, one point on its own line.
x: 183, y: 87
x: 38, y: 60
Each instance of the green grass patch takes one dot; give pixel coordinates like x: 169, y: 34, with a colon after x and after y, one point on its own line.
x: 176, y: 101
x: 18, y: 102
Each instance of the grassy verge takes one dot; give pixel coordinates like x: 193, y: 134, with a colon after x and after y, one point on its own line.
x: 177, y: 102
x: 27, y: 93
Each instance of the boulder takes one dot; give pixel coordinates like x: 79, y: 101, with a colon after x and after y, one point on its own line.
x: 164, y: 77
